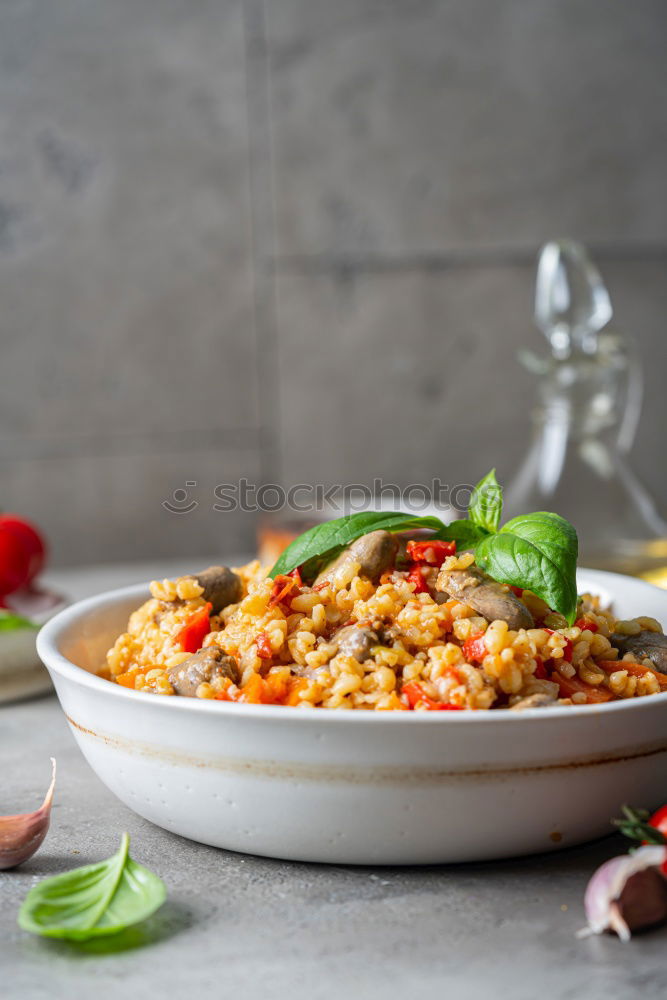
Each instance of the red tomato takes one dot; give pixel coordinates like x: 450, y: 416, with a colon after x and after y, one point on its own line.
x: 14, y: 564
x: 432, y: 552
x: 26, y: 567
x: 659, y: 820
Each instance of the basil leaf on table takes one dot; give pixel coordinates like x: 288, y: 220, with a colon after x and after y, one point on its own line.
x: 537, y: 552
x: 86, y: 902
x: 486, y: 504
x: 9, y: 622
x: 318, y: 546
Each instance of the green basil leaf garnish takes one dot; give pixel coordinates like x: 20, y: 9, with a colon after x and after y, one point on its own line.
x: 103, y: 898
x: 9, y: 622
x: 464, y: 533
x: 537, y: 552
x: 318, y: 546
x: 486, y: 504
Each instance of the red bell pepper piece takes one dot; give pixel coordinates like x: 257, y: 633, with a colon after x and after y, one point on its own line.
x: 197, y: 627
x: 582, y: 624
x: 416, y: 576
x: 567, y: 648
x: 417, y: 696
x: 474, y: 648
x: 540, y: 669
x: 433, y: 552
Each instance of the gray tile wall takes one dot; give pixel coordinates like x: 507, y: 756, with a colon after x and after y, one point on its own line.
x: 296, y: 240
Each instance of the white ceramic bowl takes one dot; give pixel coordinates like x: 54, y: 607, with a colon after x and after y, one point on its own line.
x: 360, y: 787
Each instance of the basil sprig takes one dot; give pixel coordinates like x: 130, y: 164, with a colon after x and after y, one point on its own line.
x: 87, y: 902
x: 536, y: 552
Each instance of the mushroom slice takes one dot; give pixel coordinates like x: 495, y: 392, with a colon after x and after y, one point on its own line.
x: 356, y: 641
x: 644, y: 646
x: 374, y: 552
x: 203, y: 666
x: 222, y: 586
x: 488, y: 598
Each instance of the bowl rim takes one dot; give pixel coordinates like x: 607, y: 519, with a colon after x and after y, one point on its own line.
x: 57, y: 663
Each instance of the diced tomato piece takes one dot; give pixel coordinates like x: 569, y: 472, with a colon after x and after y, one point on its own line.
x: 517, y: 591
x: 433, y: 552
x: 474, y: 648
x: 197, y: 627
x: 417, y: 696
x: 582, y: 624
x: 634, y: 669
x: 574, y: 685
x: 417, y: 577
x: 264, y: 648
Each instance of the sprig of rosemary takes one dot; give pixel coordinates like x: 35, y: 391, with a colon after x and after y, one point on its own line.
x: 634, y: 825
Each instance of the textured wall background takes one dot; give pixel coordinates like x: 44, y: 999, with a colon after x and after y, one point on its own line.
x: 297, y: 240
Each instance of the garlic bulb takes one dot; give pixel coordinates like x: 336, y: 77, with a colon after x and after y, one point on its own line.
x: 627, y: 893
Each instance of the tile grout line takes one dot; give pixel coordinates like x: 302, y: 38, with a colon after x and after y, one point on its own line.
x: 41, y: 447
x: 258, y: 110
x: 379, y: 263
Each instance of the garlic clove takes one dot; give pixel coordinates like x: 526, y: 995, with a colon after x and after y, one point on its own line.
x: 627, y: 894
x: 22, y: 835
x: 643, y: 901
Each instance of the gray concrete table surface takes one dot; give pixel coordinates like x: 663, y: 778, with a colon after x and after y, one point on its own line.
x: 244, y: 926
